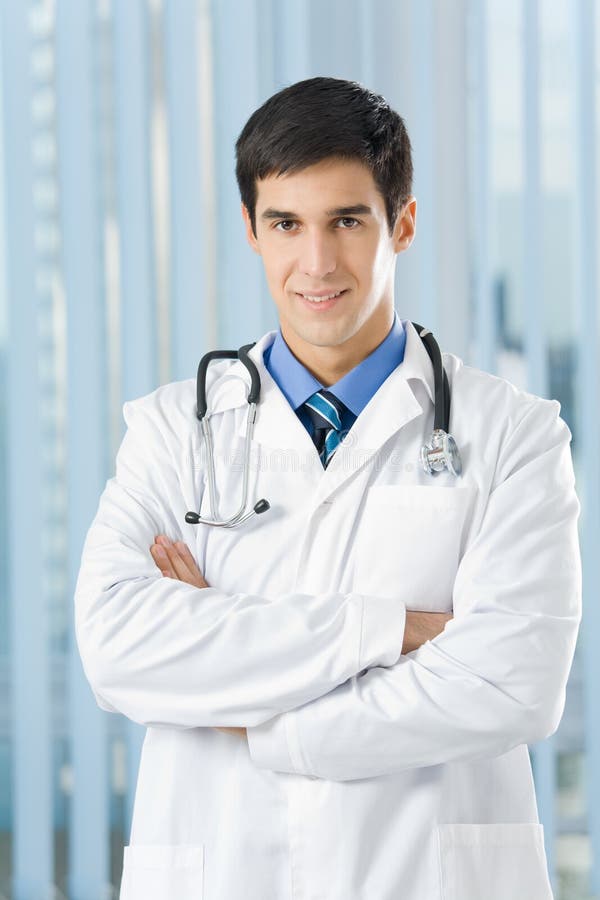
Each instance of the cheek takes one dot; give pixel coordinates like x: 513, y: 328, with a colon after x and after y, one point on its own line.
x: 275, y: 273
x: 368, y: 261
x: 275, y: 263
x: 377, y: 272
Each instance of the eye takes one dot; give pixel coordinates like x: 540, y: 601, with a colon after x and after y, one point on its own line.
x: 346, y: 219
x: 283, y: 222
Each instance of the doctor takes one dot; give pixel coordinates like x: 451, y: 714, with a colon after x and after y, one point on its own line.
x: 339, y: 693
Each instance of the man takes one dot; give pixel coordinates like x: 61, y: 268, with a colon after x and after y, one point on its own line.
x: 339, y: 693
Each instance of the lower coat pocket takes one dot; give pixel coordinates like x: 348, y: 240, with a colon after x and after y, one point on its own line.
x: 163, y: 872
x: 493, y: 862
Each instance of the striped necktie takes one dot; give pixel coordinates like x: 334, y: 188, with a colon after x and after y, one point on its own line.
x: 325, y: 411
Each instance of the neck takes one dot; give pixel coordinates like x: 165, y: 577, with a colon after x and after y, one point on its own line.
x: 329, y: 364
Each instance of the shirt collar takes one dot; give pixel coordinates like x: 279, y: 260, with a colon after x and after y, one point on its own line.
x: 355, y: 389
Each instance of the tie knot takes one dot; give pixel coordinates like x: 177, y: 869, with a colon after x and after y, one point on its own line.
x: 325, y: 410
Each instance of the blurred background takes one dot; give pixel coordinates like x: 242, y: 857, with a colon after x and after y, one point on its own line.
x: 123, y: 259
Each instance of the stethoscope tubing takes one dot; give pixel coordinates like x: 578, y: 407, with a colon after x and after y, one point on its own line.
x: 441, y: 416
x: 441, y: 452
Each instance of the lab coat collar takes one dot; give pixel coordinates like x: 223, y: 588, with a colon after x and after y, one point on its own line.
x: 277, y: 425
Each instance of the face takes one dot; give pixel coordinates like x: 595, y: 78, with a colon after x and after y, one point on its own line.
x: 322, y: 231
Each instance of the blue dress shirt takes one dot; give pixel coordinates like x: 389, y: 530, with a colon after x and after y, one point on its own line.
x: 356, y: 387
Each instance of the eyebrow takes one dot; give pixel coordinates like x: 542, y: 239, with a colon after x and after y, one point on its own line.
x: 359, y: 209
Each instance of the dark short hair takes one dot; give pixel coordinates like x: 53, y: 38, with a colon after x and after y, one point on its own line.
x: 319, y: 118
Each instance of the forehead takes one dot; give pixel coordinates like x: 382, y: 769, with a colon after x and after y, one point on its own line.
x: 324, y: 185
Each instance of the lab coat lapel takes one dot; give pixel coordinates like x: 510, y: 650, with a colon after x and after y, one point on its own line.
x: 392, y: 407
x: 277, y: 425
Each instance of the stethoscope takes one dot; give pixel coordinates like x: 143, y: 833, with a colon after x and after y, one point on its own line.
x: 440, y: 453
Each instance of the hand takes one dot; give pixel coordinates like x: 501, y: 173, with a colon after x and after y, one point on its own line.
x: 421, y: 627
x: 239, y: 731
x: 176, y: 561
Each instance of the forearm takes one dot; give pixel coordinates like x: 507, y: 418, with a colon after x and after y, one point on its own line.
x: 421, y: 627
x: 496, y: 676
x: 446, y: 702
x: 175, y: 561
x: 163, y: 652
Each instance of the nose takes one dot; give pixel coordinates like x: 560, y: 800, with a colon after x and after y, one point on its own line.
x: 317, y: 254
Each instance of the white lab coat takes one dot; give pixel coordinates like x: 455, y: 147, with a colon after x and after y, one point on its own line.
x: 367, y: 774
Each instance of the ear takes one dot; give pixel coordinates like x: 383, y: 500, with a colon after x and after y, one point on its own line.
x: 406, y: 224
x: 249, y: 234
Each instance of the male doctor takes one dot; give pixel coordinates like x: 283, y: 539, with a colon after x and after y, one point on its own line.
x: 339, y: 693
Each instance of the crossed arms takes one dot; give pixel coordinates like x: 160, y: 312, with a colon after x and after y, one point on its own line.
x: 319, y: 681
x: 175, y: 560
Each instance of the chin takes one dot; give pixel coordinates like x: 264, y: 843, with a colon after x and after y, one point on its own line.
x: 325, y: 337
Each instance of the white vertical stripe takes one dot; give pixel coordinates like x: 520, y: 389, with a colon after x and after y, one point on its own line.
x: 241, y: 280
x: 189, y: 220
x: 87, y: 417
x: 31, y: 745
x: 141, y: 361
x: 450, y: 178
x: 534, y: 332
x: 138, y: 337
x: 160, y: 191
x: 586, y: 292
x: 423, y: 135
x: 544, y: 753
x: 483, y: 354
x: 206, y: 131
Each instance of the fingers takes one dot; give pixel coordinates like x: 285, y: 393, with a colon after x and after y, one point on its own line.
x: 241, y: 732
x: 187, y: 557
x: 171, y: 563
x: 161, y: 558
x: 176, y: 561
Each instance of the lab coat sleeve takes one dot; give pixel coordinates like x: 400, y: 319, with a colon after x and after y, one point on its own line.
x: 496, y: 676
x: 165, y: 653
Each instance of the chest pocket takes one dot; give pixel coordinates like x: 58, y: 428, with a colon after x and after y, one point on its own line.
x: 408, y: 543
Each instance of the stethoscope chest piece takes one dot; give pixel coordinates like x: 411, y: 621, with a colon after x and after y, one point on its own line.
x: 441, y: 453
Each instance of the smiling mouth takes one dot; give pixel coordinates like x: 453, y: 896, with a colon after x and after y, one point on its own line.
x: 318, y: 301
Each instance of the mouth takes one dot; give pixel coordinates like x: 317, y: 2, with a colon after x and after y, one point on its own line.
x: 321, y: 304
